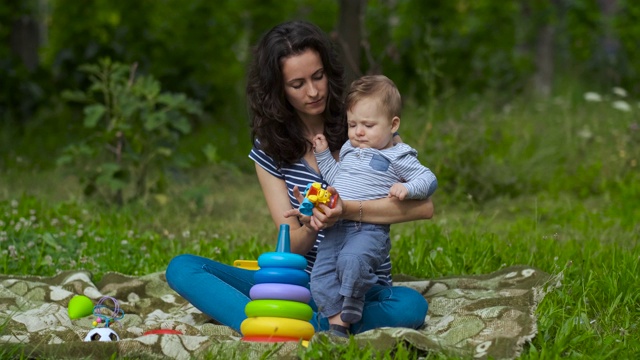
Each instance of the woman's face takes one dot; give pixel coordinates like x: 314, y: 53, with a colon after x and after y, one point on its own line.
x: 305, y: 84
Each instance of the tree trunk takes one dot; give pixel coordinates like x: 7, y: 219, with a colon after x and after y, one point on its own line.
x: 25, y: 40
x: 543, y: 78
x: 609, y: 45
x: 545, y: 46
x: 350, y: 21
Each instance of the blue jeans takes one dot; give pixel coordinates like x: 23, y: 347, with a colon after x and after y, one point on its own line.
x: 346, y: 264
x: 222, y: 291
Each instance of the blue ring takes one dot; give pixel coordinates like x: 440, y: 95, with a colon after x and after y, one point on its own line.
x: 281, y: 276
x: 282, y: 260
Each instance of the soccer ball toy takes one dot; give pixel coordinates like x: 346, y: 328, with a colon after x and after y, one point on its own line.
x: 102, y: 334
x: 105, y: 316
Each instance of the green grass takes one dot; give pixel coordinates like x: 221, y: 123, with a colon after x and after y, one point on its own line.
x: 526, y: 185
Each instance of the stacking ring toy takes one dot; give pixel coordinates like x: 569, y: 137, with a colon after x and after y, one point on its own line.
x: 282, y: 276
x: 280, y: 292
x: 261, y: 326
x: 282, y: 260
x: 279, y: 308
x: 267, y: 338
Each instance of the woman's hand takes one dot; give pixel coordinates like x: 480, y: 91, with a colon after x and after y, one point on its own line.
x: 323, y: 216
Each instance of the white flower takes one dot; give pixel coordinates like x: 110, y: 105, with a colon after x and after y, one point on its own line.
x: 621, y: 105
x: 619, y: 91
x: 585, y: 133
x: 592, y: 97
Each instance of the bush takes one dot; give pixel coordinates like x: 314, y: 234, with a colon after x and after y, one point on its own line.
x: 132, y: 131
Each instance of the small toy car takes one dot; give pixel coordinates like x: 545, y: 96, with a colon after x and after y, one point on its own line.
x: 316, y: 193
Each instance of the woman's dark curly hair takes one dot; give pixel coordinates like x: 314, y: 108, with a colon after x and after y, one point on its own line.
x: 274, y: 122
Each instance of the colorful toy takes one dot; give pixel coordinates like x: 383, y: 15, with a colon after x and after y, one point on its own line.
x: 314, y: 194
x: 279, y: 326
x: 280, y: 292
x: 246, y: 264
x: 107, y: 316
x: 279, y: 310
x: 102, y: 334
x: 162, y: 332
x: 80, y: 306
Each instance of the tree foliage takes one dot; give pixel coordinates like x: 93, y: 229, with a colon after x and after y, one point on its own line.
x: 132, y: 128
x: 433, y: 50
x: 201, y: 47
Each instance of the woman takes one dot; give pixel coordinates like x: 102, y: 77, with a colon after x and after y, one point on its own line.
x: 294, y: 91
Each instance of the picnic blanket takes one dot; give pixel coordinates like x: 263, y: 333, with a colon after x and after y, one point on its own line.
x: 481, y: 316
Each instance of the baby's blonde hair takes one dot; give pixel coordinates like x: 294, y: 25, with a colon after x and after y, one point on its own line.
x: 380, y: 86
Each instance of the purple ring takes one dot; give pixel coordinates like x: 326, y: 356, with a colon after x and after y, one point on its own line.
x: 280, y: 292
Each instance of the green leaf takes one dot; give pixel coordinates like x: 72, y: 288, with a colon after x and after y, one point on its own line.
x: 89, y: 68
x: 64, y: 160
x: 111, y: 175
x: 192, y: 107
x: 48, y: 239
x: 155, y: 120
x: 109, y: 168
x: 164, y: 151
x: 167, y: 99
x: 93, y: 114
x: 211, y: 153
x: 181, y: 124
x: 74, y: 95
x: 147, y: 86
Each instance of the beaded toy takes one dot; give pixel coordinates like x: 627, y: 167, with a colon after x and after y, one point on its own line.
x: 101, y: 312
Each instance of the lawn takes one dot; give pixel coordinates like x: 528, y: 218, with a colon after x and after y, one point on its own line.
x: 552, y: 184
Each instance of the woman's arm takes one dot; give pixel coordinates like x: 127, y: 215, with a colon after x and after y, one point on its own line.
x: 276, y: 194
x: 387, y: 210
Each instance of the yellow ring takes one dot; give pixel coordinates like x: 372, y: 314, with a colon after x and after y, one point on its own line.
x: 274, y: 326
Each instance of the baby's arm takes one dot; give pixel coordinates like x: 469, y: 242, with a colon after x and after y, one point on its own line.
x: 326, y: 162
x: 398, y: 190
x: 420, y: 182
x: 320, y: 143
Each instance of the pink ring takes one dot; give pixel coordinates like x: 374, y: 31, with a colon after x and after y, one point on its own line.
x: 280, y: 292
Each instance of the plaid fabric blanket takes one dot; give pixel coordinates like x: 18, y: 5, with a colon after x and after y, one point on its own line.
x: 482, y: 316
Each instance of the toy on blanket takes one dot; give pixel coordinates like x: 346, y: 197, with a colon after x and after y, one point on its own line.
x: 107, y: 316
x: 79, y: 306
x: 314, y: 194
x: 279, y: 309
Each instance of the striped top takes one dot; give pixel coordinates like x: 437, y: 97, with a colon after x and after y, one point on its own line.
x: 300, y: 174
x: 367, y: 173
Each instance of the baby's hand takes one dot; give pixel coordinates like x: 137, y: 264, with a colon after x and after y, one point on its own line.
x: 398, y: 190
x: 320, y: 143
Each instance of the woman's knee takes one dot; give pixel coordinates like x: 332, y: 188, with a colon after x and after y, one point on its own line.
x: 406, y: 307
x: 178, y: 269
x: 411, y: 299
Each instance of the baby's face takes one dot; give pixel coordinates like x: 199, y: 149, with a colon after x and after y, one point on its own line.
x: 369, y: 127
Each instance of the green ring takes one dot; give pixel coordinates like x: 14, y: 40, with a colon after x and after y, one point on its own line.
x: 279, y: 308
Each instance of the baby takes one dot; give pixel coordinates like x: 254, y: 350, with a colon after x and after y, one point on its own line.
x: 371, y: 166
